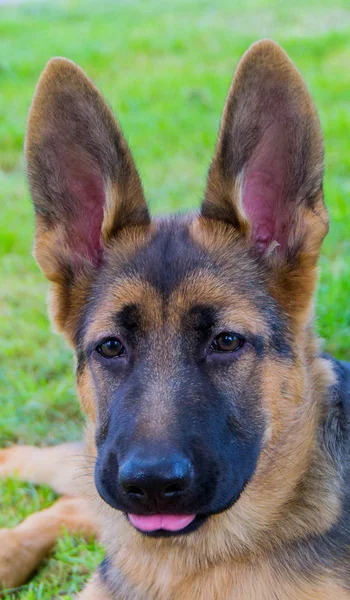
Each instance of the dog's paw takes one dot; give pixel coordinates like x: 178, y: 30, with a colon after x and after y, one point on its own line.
x: 13, y: 461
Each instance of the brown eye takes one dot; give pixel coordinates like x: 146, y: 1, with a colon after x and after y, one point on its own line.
x: 111, y: 348
x: 227, y: 342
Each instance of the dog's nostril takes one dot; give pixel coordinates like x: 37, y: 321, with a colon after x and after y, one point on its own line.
x: 174, y: 488
x: 135, y: 491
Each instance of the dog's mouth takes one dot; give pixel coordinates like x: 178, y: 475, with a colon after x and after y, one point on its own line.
x: 151, y: 523
x: 169, y: 525
x: 163, y: 525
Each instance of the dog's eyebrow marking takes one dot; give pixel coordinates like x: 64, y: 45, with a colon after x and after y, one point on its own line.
x: 201, y: 317
x: 128, y: 318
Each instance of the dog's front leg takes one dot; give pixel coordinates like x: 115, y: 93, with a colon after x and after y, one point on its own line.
x: 24, y: 547
x: 59, y: 466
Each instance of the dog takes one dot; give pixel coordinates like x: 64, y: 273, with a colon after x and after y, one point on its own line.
x: 217, y: 429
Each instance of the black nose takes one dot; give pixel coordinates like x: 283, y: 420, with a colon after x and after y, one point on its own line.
x: 158, y: 478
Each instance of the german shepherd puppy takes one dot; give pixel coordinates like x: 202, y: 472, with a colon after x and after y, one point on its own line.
x: 219, y: 431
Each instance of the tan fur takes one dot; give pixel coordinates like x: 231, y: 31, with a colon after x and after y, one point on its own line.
x: 242, y: 581
x: 255, y: 584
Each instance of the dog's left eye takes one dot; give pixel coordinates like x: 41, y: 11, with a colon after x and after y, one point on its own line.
x: 111, y: 348
x: 227, y: 342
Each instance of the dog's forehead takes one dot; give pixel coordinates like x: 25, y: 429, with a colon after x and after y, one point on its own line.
x: 180, y: 269
x: 183, y: 249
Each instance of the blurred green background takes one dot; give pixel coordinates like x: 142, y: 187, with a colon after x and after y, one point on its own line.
x: 165, y: 68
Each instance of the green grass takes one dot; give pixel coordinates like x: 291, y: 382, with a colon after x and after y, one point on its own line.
x: 165, y: 68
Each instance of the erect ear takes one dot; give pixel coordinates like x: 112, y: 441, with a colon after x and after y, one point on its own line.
x: 82, y: 178
x: 266, y: 175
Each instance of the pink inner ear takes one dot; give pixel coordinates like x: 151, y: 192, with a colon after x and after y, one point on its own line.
x: 86, y: 186
x: 264, y: 185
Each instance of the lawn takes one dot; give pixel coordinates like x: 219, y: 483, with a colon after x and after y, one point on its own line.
x: 165, y: 68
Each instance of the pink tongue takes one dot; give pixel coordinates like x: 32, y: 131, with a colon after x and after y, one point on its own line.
x: 167, y: 522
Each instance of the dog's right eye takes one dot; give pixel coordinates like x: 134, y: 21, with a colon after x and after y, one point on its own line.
x: 111, y: 348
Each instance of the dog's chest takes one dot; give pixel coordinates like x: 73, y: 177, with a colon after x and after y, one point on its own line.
x: 247, y: 581
x: 256, y: 582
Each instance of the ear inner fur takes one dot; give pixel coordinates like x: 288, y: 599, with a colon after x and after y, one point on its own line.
x: 82, y: 178
x: 268, y: 163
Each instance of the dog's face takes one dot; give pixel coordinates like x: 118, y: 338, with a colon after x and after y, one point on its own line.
x: 173, y: 339
x: 190, y: 332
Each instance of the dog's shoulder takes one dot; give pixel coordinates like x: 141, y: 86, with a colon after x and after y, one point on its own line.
x: 336, y: 426
x: 341, y: 389
x: 330, y: 552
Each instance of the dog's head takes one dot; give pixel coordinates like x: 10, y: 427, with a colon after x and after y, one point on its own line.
x: 191, y: 334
